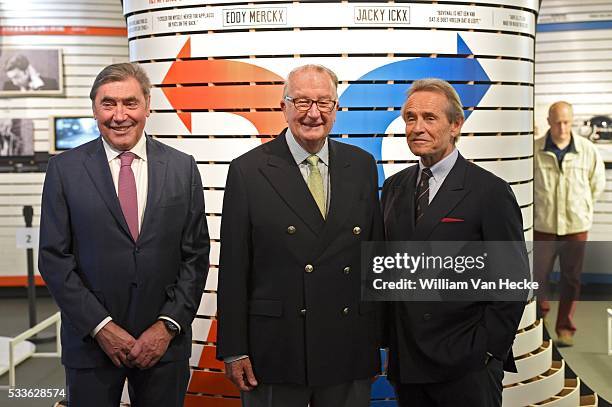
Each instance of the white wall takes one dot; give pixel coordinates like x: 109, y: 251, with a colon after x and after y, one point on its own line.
x: 91, y: 35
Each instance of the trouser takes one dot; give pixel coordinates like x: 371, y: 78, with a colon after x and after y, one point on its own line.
x: 570, y: 250
x: 164, y: 385
x: 351, y: 394
x: 479, y: 388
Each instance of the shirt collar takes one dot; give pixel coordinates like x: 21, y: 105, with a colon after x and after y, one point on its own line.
x: 441, y: 169
x: 549, y: 145
x: 300, y: 155
x: 140, y: 149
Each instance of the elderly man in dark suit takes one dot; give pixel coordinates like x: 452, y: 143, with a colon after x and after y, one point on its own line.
x: 292, y: 328
x: 449, y: 353
x: 124, y: 251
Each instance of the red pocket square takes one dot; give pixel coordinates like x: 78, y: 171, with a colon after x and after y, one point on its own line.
x: 451, y: 220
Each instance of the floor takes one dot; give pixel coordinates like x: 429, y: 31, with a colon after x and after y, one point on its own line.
x: 589, y: 355
x: 588, y: 358
x: 34, y: 373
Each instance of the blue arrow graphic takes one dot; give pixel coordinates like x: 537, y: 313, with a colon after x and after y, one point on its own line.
x: 393, y: 95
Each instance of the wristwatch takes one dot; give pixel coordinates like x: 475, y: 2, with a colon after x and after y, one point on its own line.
x: 170, y: 327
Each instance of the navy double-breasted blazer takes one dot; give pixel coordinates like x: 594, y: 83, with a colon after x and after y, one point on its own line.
x: 289, y: 280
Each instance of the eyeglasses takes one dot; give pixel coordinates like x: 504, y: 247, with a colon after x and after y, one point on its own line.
x: 304, y: 104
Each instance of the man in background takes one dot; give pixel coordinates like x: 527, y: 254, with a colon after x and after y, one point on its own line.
x: 569, y: 176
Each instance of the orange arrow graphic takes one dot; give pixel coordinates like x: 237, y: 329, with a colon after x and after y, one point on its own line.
x: 224, y: 97
x: 185, y: 52
x: 217, y: 71
x: 269, y: 123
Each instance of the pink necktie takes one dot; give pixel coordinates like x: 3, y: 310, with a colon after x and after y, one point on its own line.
x: 127, y: 192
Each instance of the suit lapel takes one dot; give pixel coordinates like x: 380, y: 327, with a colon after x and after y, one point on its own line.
x: 402, y: 205
x: 451, y: 192
x: 343, y: 189
x: 156, y: 176
x: 99, y: 172
x: 285, y: 176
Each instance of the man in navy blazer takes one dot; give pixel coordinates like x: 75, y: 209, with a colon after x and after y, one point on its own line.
x: 449, y: 353
x: 293, y: 330
x: 124, y: 252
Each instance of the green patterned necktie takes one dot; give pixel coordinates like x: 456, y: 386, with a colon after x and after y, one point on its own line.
x: 315, y: 183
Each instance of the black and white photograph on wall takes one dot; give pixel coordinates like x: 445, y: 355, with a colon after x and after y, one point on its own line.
x: 16, y: 137
x: 30, y: 71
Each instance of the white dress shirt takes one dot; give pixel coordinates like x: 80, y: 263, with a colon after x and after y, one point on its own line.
x: 300, y: 155
x: 139, y: 167
x: 440, y: 171
x: 141, y: 176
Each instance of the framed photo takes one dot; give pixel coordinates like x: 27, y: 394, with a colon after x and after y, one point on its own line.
x: 30, y: 71
x: 16, y: 137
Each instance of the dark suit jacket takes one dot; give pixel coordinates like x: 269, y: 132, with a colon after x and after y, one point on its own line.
x: 298, y: 326
x: 94, y: 268
x: 438, y: 341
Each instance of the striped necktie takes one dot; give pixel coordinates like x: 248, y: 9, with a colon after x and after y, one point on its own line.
x: 422, y: 194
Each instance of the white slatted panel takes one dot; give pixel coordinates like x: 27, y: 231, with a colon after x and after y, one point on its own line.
x: 538, y: 389
x: 393, y: 148
x: 531, y: 365
x: 576, y: 65
x: 573, y: 65
x: 511, y: 170
x: 498, y: 53
x: 317, y: 43
x: 212, y: 280
x: 131, y: 6
x: 83, y: 57
x: 528, y: 340
x: 483, y: 147
x: 498, y: 70
x: 602, y: 218
x: 16, y: 190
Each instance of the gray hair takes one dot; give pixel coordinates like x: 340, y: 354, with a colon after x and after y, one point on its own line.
x: 311, y: 67
x: 454, y: 109
x: 121, y: 72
